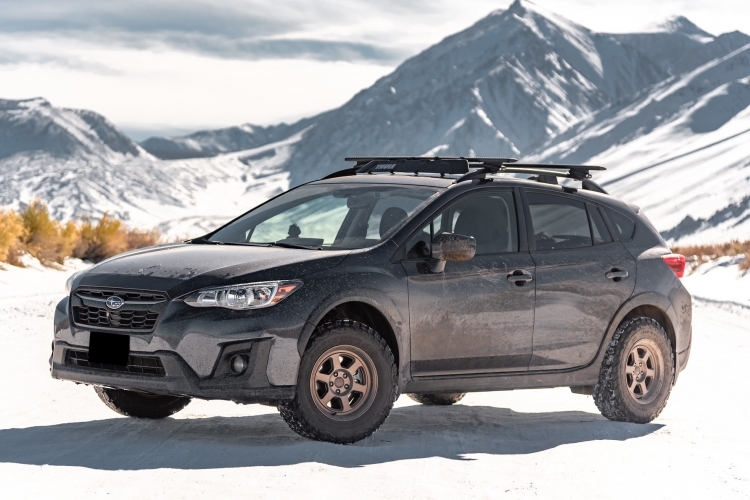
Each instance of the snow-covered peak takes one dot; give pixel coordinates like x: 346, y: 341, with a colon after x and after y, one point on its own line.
x: 683, y: 25
x: 35, y: 127
x: 34, y: 102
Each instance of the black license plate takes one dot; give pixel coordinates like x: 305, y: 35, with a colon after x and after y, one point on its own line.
x: 109, y: 348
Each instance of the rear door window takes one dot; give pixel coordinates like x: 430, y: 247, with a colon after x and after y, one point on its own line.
x: 558, y: 222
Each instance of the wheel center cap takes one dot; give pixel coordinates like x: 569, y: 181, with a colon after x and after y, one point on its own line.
x: 339, y: 382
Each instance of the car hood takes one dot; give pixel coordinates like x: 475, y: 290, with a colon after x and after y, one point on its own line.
x: 182, y: 268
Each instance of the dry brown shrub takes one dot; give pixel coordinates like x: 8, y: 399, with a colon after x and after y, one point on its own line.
x: 140, y: 239
x: 45, y: 238
x: 101, y: 240
x: 11, y: 233
x: 33, y: 230
x: 109, y: 237
x: 704, y: 253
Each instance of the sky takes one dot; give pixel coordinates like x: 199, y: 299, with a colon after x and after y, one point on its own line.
x: 172, y: 67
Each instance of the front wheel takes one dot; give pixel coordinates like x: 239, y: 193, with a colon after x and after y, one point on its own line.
x: 637, y: 372
x: 346, y: 386
x: 140, y: 404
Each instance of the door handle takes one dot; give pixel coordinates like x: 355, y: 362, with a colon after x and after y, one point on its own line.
x: 616, y: 274
x: 519, y: 277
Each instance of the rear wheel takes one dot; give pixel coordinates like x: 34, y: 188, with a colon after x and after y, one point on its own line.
x: 441, y: 399
x: 637, y: 372
x: 140, y: 404
x: 346, y: 387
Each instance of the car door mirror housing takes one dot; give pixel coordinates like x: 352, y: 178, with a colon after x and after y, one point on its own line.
x: 448, y: 246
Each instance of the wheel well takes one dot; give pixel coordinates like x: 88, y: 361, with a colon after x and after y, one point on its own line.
x: 659, y: 316
x: 370, y: 316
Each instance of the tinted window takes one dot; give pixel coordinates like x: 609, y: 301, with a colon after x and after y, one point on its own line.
x: 624, y: 226
x: 598, y: 227
x: 558, y: 222
x: 489, y: 217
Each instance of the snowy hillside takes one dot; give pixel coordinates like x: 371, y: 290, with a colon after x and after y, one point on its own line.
x: 665, y: 111
x: 680, y: 151
x: 206, y: 143
x: 82, y: 165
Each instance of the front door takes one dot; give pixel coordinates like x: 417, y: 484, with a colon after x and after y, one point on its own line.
x: 476, y: 316
x: 583, y: 277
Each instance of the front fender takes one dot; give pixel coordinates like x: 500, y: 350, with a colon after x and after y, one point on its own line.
x: 378, y: 299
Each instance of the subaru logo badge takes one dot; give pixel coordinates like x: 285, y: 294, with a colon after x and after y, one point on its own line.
x: 115, y: 302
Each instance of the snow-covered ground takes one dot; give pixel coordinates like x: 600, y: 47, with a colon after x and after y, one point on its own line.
x: 58, y: 440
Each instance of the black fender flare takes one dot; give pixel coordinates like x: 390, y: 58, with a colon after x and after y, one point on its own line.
x: 653, y: 299
x: 372, y: 297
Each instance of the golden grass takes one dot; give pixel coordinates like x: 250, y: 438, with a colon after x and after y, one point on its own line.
x: 704, y: 253
x: 35, y: 231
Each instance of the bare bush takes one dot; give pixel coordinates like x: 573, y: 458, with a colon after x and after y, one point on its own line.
x: 704, y: 253
x: 11, y: 232
x: 36, y: 232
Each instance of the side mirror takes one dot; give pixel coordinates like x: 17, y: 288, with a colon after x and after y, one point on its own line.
x: 449, y: 246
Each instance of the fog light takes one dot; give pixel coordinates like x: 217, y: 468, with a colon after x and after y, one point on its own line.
x: 238, y: 364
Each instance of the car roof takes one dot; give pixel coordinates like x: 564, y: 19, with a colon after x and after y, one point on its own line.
x: 449, y: 182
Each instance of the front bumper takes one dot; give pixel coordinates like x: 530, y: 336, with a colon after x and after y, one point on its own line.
x: 193, y: 348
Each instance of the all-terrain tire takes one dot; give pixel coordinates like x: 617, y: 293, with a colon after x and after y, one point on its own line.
x: 140, y: 405
x: 614, y: 394
x: 439, y: 399
x: 305, y: 415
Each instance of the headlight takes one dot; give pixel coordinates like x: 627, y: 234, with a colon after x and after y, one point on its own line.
x: 69, y: 282
x: 241, y: 297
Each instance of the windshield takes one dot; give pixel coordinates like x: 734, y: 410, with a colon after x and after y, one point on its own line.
x: 328, y: 217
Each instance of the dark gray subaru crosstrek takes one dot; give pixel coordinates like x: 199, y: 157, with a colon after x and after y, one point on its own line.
x: 429, y: 276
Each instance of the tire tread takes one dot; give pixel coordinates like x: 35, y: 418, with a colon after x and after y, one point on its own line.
x: 294, y: 416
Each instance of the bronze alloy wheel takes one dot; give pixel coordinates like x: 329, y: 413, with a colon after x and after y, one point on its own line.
x: 344, y: 382
x: 644, y: 371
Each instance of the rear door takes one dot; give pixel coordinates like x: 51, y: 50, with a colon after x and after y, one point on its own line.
x: 583, y: 277
x: 472, y: 317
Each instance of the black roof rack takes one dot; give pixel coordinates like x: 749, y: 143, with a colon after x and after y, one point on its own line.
x: 544, y: 173
x: 459, y: 165
x: 454, y: 165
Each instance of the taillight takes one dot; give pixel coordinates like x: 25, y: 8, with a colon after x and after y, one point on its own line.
x: 676, y: 262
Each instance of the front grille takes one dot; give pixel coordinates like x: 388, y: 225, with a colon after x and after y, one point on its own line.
x: 142, y: 365
x: 123, y: 319
x: 138, y: 314
x: 132, y: 295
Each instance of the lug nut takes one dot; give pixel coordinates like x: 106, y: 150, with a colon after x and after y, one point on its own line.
x: 338, y: 391
x: 346, y: 387
x: 335, y: 374
x: 331, y: 384
x: 344, y: 375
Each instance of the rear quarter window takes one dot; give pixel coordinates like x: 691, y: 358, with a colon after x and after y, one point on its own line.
x: 624, y: 226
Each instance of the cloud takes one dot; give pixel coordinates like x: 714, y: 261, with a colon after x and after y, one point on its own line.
x: 250, y: 30
x: 9, y: 58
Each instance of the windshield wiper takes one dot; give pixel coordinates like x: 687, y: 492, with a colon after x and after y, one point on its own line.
x: 234, y: 243
x: 292, y: 245
x: 249, y: 244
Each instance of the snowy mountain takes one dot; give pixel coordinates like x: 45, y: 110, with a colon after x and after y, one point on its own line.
x: 82, y: 165
x: 680, y: 151
x: 665, y: 111
x: 205, y: 143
